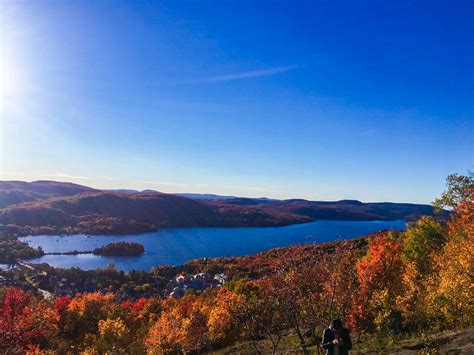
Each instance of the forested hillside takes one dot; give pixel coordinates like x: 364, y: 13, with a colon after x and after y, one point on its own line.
x: 119, y: 213
x: 334, y: 210
x: 16, y: 192
x: 47, y: 207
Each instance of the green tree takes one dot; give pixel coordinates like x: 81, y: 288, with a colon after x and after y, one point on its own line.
x: 458, y: 189
x: 421, y: 241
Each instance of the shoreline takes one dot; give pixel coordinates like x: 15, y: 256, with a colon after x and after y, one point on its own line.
x: 90, y: 235
x: 167, y: 248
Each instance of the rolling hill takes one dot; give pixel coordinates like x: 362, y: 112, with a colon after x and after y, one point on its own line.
x: 55, y: 207
x: 16, y: 192
x: 334, y: 210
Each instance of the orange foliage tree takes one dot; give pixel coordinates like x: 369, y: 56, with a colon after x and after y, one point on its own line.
x: 379, y: 275
x: 194, y: 323
x: 180, y: 328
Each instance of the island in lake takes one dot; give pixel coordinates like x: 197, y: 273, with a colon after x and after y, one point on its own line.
x: 120, y: 249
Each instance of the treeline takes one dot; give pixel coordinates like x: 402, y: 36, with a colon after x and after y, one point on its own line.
x: 405, y: 282
x: 12, y: 250
x: 120, y: 249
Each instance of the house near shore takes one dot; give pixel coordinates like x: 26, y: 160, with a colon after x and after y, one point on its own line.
x: 178, y: 285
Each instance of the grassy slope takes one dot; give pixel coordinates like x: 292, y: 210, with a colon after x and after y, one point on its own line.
x: 459, y: 341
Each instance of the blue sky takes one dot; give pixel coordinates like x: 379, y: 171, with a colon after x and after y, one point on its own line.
x: 323, y: 100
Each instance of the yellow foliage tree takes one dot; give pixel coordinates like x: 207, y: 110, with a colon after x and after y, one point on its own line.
x: 454, y: 298
x: 221, y: 316
x: 422, y: 244
x: 113, y: 335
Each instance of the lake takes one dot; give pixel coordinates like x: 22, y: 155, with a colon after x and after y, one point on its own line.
x: 178, y: 245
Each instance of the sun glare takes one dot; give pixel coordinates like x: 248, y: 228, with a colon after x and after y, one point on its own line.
x: 12, y: 81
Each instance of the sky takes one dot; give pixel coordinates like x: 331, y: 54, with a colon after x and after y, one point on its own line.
x: 323, y: 100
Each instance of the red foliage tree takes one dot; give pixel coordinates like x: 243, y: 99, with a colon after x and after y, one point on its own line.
x: 18, y: 330
x: 379, y: 275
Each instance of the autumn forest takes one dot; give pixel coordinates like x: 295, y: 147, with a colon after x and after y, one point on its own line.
x: 389, y: 284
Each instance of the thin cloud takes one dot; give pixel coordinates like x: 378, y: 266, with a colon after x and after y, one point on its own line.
x: 11, y: 173
x: 67, y: 176
x: 249, y: 188
x: 163, y: 183
x: 109, y: 178
x: 247, y: 75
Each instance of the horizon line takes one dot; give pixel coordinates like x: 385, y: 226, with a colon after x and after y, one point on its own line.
x: 221, y: 195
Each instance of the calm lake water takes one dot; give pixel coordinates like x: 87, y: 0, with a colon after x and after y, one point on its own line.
x: 178, y: 245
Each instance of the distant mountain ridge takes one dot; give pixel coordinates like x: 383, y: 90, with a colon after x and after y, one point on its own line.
x: 205, y: 197
x: 193, y: 196
x: 50, y: 207
x: 16, y: 192
x: 343, y: 209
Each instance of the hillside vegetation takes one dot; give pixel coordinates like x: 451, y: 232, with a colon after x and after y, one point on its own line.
x: 46, y: 207
x: 387, y: 288
x: 16, y: 192
x: 118, y: 213
x: 333, y: 210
